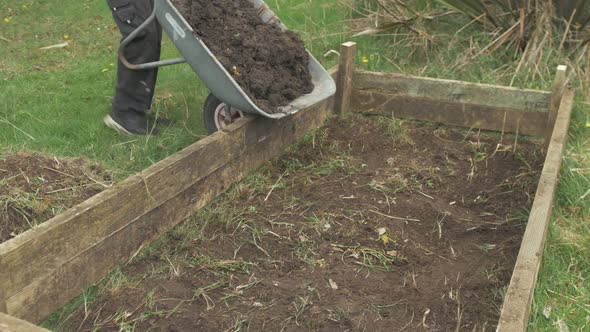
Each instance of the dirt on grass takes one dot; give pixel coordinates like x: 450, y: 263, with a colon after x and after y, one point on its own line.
x: 269, y: 64
x: 36, y: 187
x: 367, y: 224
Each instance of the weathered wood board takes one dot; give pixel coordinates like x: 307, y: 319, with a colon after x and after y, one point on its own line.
x: 517, y: 304
x: 11, y: 324
x: 455, y: 103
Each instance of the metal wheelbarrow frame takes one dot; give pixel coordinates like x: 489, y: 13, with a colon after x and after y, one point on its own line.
x: 217, y: 79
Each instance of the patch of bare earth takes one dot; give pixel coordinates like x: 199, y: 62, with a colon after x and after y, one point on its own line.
x: 36, y: 187
x: 368, y: 224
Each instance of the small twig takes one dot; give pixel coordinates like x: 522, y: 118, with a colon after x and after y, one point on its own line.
x: 424, y: 317
x: 392, y: 217
x: 97, y: 182
x: 62, y: 45
x: 408, y: 324
x: 275, y: 185
x: 567, y: 30
x: 135, y: 254
x: 439, y: 223
x: 425, y: 195
x: 174, y: 269
x: 60, y: 172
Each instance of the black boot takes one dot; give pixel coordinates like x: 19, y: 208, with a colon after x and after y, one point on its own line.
x: 130, y: 123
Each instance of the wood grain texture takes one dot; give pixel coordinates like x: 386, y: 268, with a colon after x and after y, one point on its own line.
x: 517, y: 303
x: 453, y: 91
x: 2, y: 298
x: 344, y: 78
x: 557, y: 91
x: 507, y: 120
x: 12, y: 324
x: 49, y: 266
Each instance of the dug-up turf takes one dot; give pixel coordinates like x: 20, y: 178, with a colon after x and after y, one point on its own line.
x: 366, y: 225
x: 36, y: 187
x: 270, y: 65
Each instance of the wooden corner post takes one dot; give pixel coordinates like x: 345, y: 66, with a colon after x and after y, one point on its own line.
x: 344, y: 78
x: 3, y: 308
x: 557, y: 91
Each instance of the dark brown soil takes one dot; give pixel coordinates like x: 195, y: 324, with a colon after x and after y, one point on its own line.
x: 269, y: 64
x: 36, y: 187
x: 352, y: 230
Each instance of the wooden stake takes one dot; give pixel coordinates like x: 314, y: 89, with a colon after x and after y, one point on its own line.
x: 344, y: 79
x: 517, y: 304
x: 556, y: 94
x: 2, y: 302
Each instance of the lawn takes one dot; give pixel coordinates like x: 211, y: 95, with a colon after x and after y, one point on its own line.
x: 53, y: 101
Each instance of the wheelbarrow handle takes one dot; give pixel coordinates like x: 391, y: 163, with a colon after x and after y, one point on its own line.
x: 148, y: 65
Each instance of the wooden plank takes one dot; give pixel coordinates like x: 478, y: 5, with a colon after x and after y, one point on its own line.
x: 36, y: 252
x: 450, y: 113
x: 453, y: 91
x: 258, y: 140
x: 517, y: 304
x: 11, y: 324
x: 557, y: 91
x: 344, y: 79
x: 2, y: 299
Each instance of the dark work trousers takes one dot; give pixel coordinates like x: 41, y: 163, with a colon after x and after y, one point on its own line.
x: 135, y: 89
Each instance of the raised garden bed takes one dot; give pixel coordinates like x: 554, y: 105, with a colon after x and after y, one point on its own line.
x: 44, y: 268
x: 367, y: 223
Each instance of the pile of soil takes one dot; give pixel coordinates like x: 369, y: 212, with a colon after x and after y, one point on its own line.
x: 270, y: 65
x: 366, y: 225
x: 36, y: 187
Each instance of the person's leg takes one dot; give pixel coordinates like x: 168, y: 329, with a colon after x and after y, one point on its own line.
x: 134, y: 89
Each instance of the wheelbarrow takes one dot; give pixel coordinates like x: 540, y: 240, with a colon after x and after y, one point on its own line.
x: 227, y: 101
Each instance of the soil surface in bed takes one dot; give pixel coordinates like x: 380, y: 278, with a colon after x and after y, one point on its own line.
x: 270, y: 65
x: 35, y: 187
x: 367, y: 224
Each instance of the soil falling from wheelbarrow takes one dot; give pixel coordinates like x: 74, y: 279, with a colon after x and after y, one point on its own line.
x: 270, y: 65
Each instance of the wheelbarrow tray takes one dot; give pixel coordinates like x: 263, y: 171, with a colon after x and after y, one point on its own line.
x: 218, y: 80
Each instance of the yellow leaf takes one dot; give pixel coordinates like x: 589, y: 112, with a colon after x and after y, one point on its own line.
x: 393, y: 253
x: 321, y: 263
x: 384, y: 238
x: 104, y: 70
x: 365, y: 59
x: 7, y: 20
x: 587, y: 124
x: 66, y: 37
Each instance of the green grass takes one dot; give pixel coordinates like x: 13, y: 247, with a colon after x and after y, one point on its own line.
x: 53, y: 101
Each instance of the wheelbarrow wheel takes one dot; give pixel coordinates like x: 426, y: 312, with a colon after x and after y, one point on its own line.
x: 215, y: 117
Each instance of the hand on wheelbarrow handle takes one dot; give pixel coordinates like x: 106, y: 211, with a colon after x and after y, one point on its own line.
x: 149, y: 65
